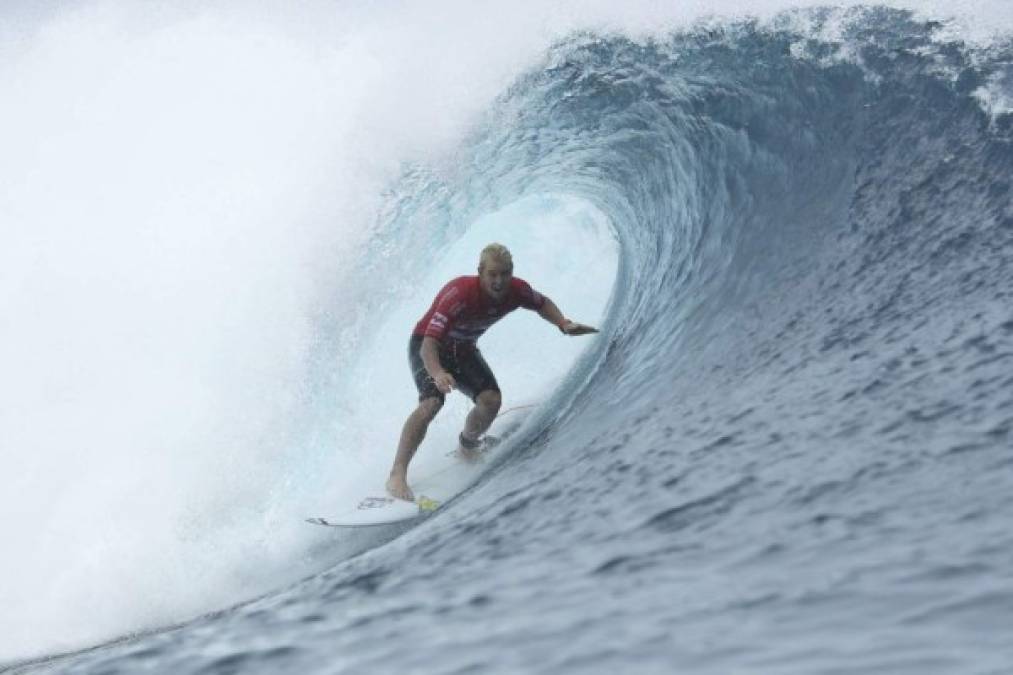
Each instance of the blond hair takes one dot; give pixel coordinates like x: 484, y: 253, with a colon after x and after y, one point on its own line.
x: 497, y: 252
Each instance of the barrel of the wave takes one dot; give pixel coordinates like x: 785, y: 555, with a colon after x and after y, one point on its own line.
x: 444, y: 357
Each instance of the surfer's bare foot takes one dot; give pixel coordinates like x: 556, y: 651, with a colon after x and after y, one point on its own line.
x: 468, y: 455
x: 397, y: 487
x: 469, y: 449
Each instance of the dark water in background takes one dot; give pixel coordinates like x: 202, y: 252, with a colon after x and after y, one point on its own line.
x: 791, y: 453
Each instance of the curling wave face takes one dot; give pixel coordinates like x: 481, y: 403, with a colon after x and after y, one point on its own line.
x: 790, y: 449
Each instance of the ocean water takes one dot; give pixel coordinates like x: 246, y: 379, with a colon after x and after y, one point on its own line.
x: 788, y: 451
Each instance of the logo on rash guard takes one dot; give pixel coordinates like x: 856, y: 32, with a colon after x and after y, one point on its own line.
x: 439, y: 321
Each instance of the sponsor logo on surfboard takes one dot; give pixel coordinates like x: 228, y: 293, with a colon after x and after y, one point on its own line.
x: 375, y: 502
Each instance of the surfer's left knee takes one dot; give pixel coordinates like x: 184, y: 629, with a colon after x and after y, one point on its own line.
x: 490, y: 399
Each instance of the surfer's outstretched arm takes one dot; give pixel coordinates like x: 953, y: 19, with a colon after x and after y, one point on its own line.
x: 553, y: 315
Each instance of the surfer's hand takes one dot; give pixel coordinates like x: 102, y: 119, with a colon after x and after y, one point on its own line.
x: 444, y: 382
x: 573, y: 328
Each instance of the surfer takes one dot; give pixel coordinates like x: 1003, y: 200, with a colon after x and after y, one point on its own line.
x: 443, y: 355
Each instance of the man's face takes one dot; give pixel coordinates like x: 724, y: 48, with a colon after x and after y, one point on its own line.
x: 494, y: 276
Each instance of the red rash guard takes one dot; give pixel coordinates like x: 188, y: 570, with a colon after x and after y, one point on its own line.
x: 462, y: 312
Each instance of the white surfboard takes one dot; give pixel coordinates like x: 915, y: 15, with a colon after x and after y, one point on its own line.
x: 374, y: 510
x: 431, y: 490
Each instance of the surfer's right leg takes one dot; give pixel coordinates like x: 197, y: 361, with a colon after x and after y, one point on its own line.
x: 414, y: 430
x: 412, y: 433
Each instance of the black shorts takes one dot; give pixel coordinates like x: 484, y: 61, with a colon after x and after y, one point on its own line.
x: 462, y: 360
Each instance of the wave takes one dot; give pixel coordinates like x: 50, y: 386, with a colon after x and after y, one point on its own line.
x: 800, y: 394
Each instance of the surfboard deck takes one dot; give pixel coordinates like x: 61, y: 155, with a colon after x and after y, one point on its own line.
x: 432, y: 490
x: 379, y: 510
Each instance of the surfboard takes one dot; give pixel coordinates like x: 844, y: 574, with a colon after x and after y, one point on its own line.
x: 379, y: 510
x: 431, y: 490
